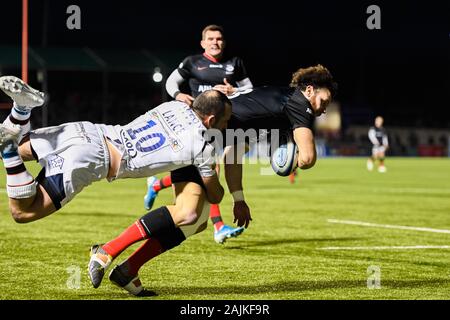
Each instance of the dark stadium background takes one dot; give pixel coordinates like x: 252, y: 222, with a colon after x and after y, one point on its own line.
x: 400, y: 71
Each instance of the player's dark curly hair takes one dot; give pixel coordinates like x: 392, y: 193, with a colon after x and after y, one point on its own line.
x: 316, y: 76
x: 211, y: 102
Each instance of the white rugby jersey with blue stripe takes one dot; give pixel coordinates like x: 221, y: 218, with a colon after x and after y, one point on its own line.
x: 166, y: 138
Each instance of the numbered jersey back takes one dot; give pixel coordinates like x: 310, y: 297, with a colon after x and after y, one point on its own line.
x: 164, y: 139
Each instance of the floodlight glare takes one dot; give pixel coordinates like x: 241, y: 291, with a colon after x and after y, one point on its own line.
x: 157, y: 75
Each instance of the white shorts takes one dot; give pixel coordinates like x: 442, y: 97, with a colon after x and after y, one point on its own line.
x: 377, y: 149
x: 72, y: 155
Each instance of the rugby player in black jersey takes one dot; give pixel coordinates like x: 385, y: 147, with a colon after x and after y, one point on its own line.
x: 210, y: 70
x: 285, y: 108
x: 380, y: 143
x: 291, y: 108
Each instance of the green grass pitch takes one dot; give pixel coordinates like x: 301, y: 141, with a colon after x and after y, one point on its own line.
x: 278, y: 257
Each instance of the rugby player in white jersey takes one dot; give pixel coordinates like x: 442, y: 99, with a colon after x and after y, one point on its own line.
x: 73, y: 155
x: 268, y: 107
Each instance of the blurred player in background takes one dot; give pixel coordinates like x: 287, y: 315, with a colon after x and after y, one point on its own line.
x: 292, y: 176
x: 380, y: 144
x: 210, y: 70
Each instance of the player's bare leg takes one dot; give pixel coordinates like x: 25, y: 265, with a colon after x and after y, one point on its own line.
x: 28, y: 201
x: 34, y: 208
x: 370, y: 163
x: 381, y: 166
x: 292, y: 177
x: 189, y: 202
x: 221, y: 231
x: 162, y: 230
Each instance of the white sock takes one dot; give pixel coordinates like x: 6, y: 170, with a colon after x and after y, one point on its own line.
x: 20, y: 113
x: 16, y: 173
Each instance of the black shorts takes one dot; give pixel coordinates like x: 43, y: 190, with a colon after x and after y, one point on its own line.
x: 187, y: 174
x: 54, y: 185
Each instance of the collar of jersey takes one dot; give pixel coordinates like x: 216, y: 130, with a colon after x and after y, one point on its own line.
x: 210, y: 58
x: 297, y: 98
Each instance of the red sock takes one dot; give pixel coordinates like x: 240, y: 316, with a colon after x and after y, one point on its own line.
x: 147, y: 251
x: 216, y: 218
x: 162, y: 183
x: 132, y: 234
x: 292, y: 177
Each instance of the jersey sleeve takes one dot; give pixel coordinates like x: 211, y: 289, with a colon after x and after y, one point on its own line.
x: 373, y: 137
x: 299, y: 116
x: 205, y: 160
x: 385, y: 140
x: 185, y: 68
x: 241, y: 72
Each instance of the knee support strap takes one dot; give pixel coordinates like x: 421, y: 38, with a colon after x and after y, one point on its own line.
x: 22, y: 192
x: 159, y: 224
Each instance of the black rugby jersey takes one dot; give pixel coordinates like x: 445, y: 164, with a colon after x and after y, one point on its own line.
x: 203, y: 72
x: 271, y: 108
x: 379, y: 134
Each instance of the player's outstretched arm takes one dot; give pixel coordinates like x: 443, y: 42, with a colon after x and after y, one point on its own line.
x: 173, y: 88
x: 304, y: 138
x: 233, y: 176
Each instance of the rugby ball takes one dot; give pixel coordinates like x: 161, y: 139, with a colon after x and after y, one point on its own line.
x: 284, y: 159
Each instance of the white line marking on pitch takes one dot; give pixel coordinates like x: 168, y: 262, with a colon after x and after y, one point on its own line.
x: 2, y: 190
x: 385, y: 248
x: 388, y: 226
